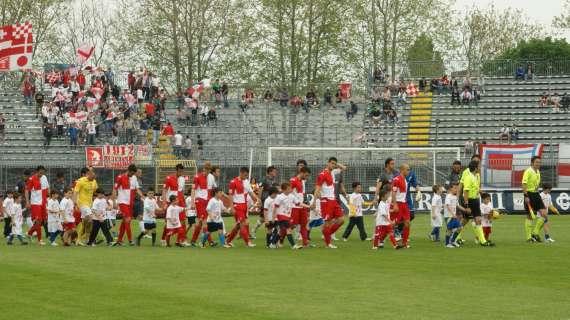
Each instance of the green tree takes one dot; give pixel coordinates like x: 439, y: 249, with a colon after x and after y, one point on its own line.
x: 563, y: 20
x: 423, y: 60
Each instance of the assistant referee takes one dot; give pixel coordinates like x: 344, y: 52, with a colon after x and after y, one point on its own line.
x: 533, y: 201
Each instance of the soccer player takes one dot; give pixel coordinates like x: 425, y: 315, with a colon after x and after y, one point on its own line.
x: 547, y: 201
x: 384, y: 222
x: 271, y: 233
x: 16, y: 220
x: 83, y: 192
x: 200, y: 197
x: 269, y: 182
x: 149, y: 217
x: 173, y: 225
x: 122, y: 192
x: 283, y: 204
x: 239, y: 189
x: 355, y: 203
x: 100, y: 206
x: 385, y: 178
x: 330, y: 208
x: 300, y: 210
x: 54, y: 217
x: 436, y: 207
x: 471, y: 189
x: 401, y: 209
x: 214, y: 223
x: 453, y: 217
x: 486, y: 213
x: 67, y: 206
x: 174, y: 186
x: 35, y: 201
x: 532, y: 201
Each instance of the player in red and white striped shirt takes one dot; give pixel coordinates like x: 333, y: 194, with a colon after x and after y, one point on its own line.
x: 36, y: 191
x: 330, y: 208
x: 174, y: 186
x: 300, y: 210
x: 240, y: 189
x: 402, y: 211
x: 122, y: 191
x: 201, y: 194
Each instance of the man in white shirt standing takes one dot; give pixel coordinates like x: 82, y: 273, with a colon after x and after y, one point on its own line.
x: 178, y: 139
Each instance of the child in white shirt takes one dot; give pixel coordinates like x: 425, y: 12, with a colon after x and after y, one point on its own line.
x: 54, y: 217
x: 271, y: 235
x: 436, y: 218
x: 486, y: 214
x: 547, y: 201
x: 453, y: 218
x: 355, y: 202
x: 17, y: 220
x: 149, y: 217
x: 283, y: 204
x: 99, y: 208
x: 7, y: 212
x: 67, y: 206
x: 190, y: 213
x: 173, y: 225
x: 214, y: 223
x: 384, y: 225
x: 112, y: 211
x: 315, y: 218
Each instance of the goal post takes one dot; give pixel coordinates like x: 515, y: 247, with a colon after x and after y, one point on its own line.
x: 431, y: 165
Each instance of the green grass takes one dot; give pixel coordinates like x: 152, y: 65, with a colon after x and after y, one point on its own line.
x: 514, y: 280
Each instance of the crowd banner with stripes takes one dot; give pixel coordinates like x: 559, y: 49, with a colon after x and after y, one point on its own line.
x: 503, y: 164
x: 564, y: 165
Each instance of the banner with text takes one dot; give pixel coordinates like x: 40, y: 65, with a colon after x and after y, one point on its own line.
x: 117, y: 156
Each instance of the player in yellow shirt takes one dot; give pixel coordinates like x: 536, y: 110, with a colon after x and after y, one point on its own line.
x: 532, y: 201
x: 471, y: 190
x: 83, y: 192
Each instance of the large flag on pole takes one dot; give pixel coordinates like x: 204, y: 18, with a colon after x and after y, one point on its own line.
x: 16, y: 46
x: 502, y: 165
x: 84, y: 52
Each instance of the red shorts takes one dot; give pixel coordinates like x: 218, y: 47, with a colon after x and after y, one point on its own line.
x: 403, y: 212
x: 299, y: 216
x: 182, y: 217
x: 172, y: 231
x: 125, y: 210
x: 240, y: 212
x: 330, y: 209
x: 36, y: 211
x: 68, y: 226
x: 381, y: 230
x: 201, y: 212
x: 77, y: 216
x: 281, y: 217
x: 44, y: 212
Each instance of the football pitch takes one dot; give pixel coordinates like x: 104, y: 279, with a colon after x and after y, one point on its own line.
x: 513, y: 280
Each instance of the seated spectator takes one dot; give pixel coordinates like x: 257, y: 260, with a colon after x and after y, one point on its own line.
x: 529, y: 75
x: 212, y: 116
x: 376, y: 95
x: 296, y: 102
x: 476, y: 96
x: 543, y: 101
x: 468, y: 149
x: 310, y: 98
x: 352, y: 111
x: 445, y: 83
x: 180, y: 115
x: 168, y: 130
x: 565, y: 102
x: 327, y: 98
x: 467, y: 83
x: 249, y: 96
x: 378, y: 74
x: 555, y: 100
x: 387, y: 96
x: 514, y: 133
x: 504, y: 134
x: 519, y: 74
x: 338, y: 96
x: 179, y: 99
x: 243, y: 105
x: 376, y: 117
x: 402, y: 97
x: 465, y: 96
x: 283, y: 97
x: 422, y: 84
x: 268, y: 97
x: 392, y: 117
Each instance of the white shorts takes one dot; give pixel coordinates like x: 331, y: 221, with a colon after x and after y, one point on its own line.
x: 17, y: 229
x: 54, y: 226
x: 85, y: 212
x: 437, y: 222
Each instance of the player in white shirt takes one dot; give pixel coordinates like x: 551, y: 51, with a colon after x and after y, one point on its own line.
x: 149, y: 217
x: 547, y: 200
x: 67, y: 206
x: 271, y: 235
x: 16, y: 220
x: 99, y: 210
x: 384, y: 225
x: 355, y: 202
x: 54, y: 217
x: 436, y: 218
x: 283, y: 204
x: 453, y: 217
x: 486, y: 214
x: 315, y: 218
x: 214, y: 223
x: 173, y: 225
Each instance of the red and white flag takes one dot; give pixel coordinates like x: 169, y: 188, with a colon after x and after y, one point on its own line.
x: 84, y: 52
x: 564, y: 165
x: 16, y: 46
x: 502, y: 166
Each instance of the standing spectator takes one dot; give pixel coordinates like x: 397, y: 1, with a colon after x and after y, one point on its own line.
x: 352, y: 111
x: 455, y: 95
x: 268, y: 97
x: 110, y: 75
x: 565, y: 102
x: 131, y: 81
x: 422, y: 84
x: 283, y: 98
x: 187, y: 149
x: 514, y: 133
x: 91, y: 132
x: 519, y: 74
x: 129, y: 130
x: 204, y: 114
x: 154, y: 84
x: 402, y: 97
x: 177, y: 146
x: 504, y: 134
x: 27, y: 90
x: 48, y: 133
x: 529, y: 74
x: 39, y: 102
x: 2, y: 127
x: 168, y: 130
x: 200, y: 146
x: 59, y: 183
x: 468, y: 150
x: 225, y: 92
x: 155, y: 130
x: 81, y: 80
x: 327, y: 98
x: 73, y: 135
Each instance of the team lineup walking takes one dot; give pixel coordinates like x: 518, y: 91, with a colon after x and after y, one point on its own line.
x: 286, y: 210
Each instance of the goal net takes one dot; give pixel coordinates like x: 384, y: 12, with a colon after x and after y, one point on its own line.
x: 430, y: 165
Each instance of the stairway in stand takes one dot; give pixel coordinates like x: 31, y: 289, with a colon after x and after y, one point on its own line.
x: 420, y: 120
